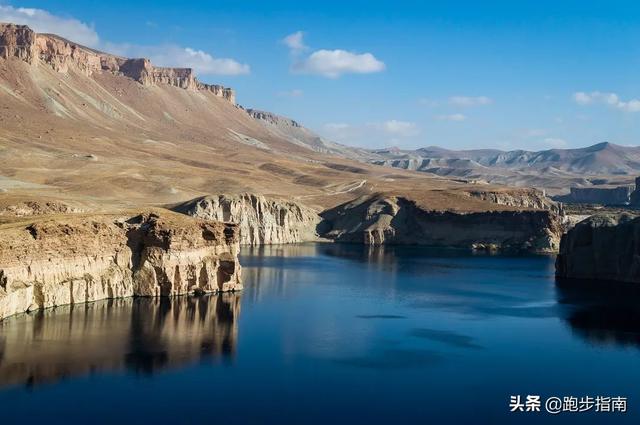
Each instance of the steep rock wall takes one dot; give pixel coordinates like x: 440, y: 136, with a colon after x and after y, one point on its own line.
x: 379, y: 219
x: 620, y: 195
x: 519, y: 198
x: 261, y: 220
x: 53, y: 262
x: 605, y: 247
x: 62, y: 55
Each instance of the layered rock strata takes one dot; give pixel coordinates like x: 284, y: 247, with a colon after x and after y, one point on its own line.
x: 518, y: 198
x: 602, y: 247
x: 260, y: 220
x: 381, y: 219
x: 22, y: 42
x: 52, y: 262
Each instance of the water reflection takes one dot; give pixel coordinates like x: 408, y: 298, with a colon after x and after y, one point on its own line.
x: 603, y: 313
x: 141, y: 335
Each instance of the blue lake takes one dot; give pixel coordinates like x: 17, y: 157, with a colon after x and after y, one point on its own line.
x: 332, y: 334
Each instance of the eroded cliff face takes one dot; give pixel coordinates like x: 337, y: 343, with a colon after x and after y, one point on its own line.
x: 519, y: 198
x: 261, y: 220
x: 62, y: 55
x: 605, y: 247
x: 381, y: 219
x: 57, y: 261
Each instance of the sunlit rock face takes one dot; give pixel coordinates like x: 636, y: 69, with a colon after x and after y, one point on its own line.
x: 138, y: 335
x: 69, y: 260
x: 62, y: 55
x: 261, y: 220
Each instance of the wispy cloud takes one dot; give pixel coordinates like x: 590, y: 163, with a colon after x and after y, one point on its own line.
x: 555, y: 142
x: 291, y: 93
x: 380, y: 133
x: 295, y: 42
x: 203, y: 63
x: 470, y: 100
x: 451, y: 117
x: 398, y: 128
x: 425, y: 101
x: 42, y: 21
x: 329, y: 63
x: 610, y: 99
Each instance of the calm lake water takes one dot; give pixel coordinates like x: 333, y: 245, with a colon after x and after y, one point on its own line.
x: 332, y: 334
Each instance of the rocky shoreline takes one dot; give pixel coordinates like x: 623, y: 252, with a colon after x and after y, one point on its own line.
x: 74, y: 259
x: 260, y: 219
x: 602, y: 247
x: 379, y: 220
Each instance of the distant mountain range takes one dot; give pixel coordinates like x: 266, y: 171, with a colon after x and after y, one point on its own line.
x: 603, y: 158
x: 556, y: 170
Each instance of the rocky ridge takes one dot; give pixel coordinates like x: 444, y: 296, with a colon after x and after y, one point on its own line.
x: 522, y: 198
x: 69, y: 260
x: 260, y: 219
x: 22, y: 42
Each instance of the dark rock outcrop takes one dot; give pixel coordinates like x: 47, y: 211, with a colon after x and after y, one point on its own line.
x: 380, y: 219
x: 603, y: 247
x: 598, y: 195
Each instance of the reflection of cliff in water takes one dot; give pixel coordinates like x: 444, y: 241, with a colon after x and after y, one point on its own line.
x: 603, y: 313
x: 142, y: 335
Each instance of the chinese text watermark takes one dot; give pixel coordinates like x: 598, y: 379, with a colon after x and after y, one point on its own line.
x: 555, y: 405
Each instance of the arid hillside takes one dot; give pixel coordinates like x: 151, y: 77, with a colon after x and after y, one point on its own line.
x: 94, y: 130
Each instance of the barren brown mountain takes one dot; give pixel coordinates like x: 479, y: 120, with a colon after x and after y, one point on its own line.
x: 95, y: 130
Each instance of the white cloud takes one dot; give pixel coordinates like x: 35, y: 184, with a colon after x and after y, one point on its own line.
x: 425, y: 101
x: 42, y: 21
x: 611, y: 99
x: 334, y: 63
x: 470, y: 101
x: 172, y: 55
x: 555, y: 142
x: 329, y: 63
x: 295, y: 42
x: 451, y: 117
x: 372, y: 134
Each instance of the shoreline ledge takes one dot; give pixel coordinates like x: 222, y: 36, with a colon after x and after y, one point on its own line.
x: 71, y: 259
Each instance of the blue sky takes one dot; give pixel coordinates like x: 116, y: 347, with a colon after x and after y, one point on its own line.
x: 504, y: 74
